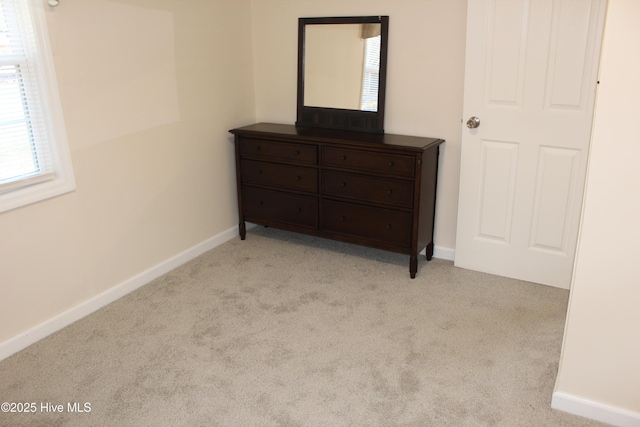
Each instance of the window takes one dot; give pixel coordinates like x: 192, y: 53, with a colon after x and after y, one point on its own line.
x: 371, y: 74
x: 34, y: 157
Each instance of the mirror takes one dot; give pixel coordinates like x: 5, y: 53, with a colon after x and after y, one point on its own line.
x: 342, y: 72
x: 341, y: 66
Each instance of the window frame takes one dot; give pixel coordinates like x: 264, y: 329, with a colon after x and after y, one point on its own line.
x: 59, y: 178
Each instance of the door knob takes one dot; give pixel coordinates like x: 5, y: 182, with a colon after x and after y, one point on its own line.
x: 473, y: 122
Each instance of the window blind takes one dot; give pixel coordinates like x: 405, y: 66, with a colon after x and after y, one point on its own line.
x: 371, y: 74
x: 25, y: 157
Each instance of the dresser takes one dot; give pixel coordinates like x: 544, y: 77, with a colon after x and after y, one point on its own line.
x: 375, y: 190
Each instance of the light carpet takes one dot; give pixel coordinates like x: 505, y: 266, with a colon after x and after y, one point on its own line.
x: 290, y: 330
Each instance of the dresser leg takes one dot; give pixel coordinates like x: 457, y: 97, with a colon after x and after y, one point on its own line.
x: 243, y: 230
x: 429, y: 251
x: 413, y: 266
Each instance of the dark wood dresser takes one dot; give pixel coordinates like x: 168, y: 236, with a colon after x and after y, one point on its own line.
x: 376, y: 190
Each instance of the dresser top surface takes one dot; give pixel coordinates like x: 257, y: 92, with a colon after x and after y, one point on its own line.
x: 336, y: 136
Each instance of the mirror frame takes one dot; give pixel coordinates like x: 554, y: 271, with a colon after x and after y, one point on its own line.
x: 338, y: 118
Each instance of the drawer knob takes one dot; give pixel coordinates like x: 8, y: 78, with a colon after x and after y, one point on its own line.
x: 342, y: 219
x: 259, y: 172
x: 343, y: 184
x: 257, y: 148
x: 389, y: 191
x: 299, y: 210
x: 390, y: 164
x: 343, y: 157
x: 298, y: 178
x: 296, y: 153
x: 388, y: 226
x: 260, y: 203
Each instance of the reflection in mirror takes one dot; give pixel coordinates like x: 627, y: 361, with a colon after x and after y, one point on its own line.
x: 342, y: 66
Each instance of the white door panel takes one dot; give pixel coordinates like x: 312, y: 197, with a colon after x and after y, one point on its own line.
x: 531, y: 75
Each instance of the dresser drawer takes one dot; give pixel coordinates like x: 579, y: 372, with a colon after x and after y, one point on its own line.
x: 381, y: 225
x: 277, y: 175
x: 368, y: 188
x: 393, y: 164
x: 281, y: 207
x: 302, y: 153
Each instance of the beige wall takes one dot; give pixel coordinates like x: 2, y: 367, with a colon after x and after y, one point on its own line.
x: 425, y: 75
x: 149, y: 89
x: 601, y: 353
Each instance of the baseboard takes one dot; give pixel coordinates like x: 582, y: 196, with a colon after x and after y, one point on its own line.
x: 444, y: 253
x: 54, y: 324
x: 594, y: 410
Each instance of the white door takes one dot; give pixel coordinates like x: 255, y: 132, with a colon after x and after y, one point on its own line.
x: 530, y: 77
